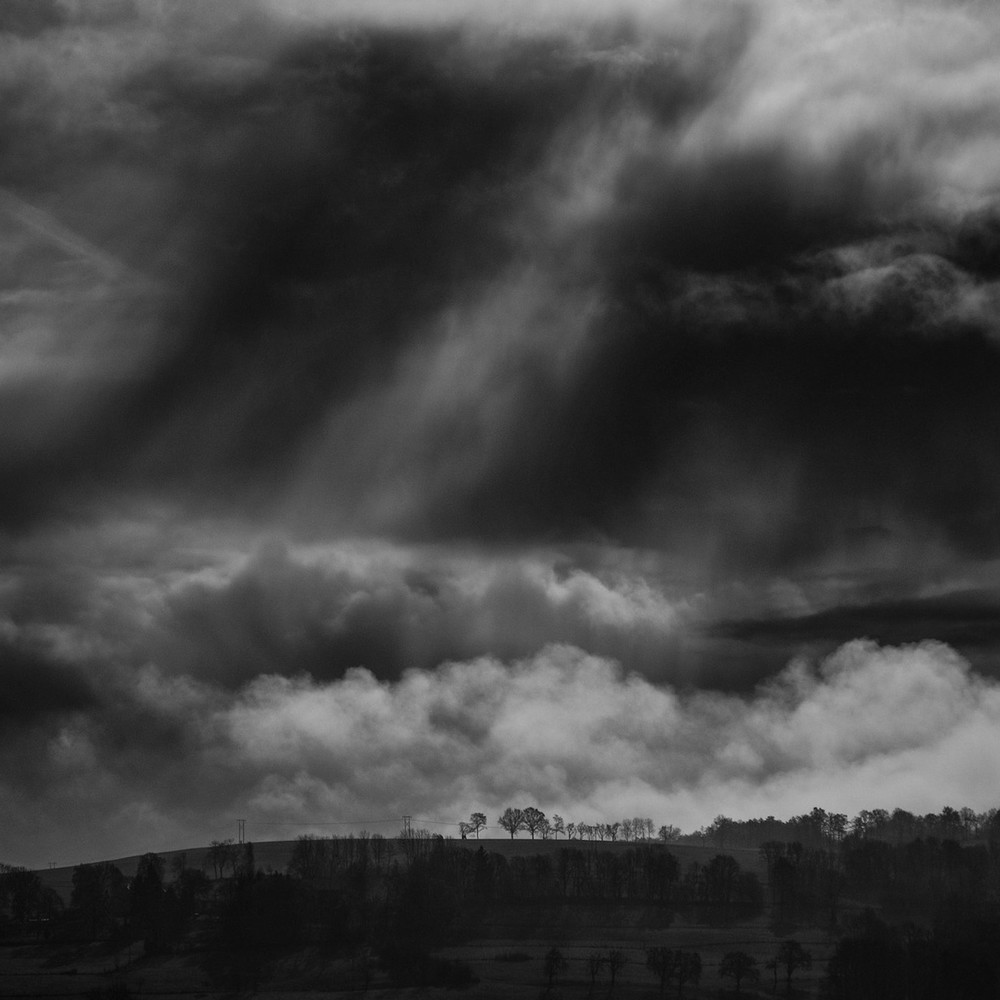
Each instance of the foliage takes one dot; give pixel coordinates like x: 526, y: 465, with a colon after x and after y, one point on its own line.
x: 532, y: 820
x: 791, y: 957
x: 512, y: 820
x: 668, y: 964
x: 595, y: 962
x: 617, y: 960
x: 739, y: 966
x: 554, y: 964
x: 100, y: 897
x: 721, y: 892
x: 223, y: 854
x: 477, y: 822
x: 688, y: 969
x: 362, y: 896
x: 662, y: 962
x: 259, y: 911
x: 956, y: 960
x: 25, y: 904
x: 146, y: 900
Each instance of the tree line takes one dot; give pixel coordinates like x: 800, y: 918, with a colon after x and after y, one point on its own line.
x: 385, y: 902
x: 821, y: 829
x: 104, y: 904
x: 928, y: 930
x: 535, y: 823
x: 816, y: 829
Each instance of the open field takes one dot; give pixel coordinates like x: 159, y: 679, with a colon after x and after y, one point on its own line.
x: 503, y: 968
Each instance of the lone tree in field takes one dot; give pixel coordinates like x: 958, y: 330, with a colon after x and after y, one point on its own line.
x: 663, y: 964
x: 223, y: 854
x: 594, y: 962
x: 688, y: 969
x: 554, y: 965
x: 534, y: 820
x: 512, y: 820
x: 477, y: 822
x: 617, y: 959
x: 792, y: 957
x: 739, y: 966
x: 772, y: 966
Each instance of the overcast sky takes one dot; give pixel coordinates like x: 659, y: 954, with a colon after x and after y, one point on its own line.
x: 414, y: 409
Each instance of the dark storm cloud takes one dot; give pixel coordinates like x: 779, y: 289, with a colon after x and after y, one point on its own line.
x: 313, y: 207
x: 743, y: 352
x: 391, y: 610
x: 306, y: 206
x: 756, y: 208
x: 35, y: 686
x: 318, y: 203
x: 594, y: 370
x: 969, y: 621
x: 346, y: 194
x: 30, y: 17
x: 977, y: 243
x: 835, y: 419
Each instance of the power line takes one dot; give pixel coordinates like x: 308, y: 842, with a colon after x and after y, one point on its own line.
x: 323, y: 822
x: 350, y: 822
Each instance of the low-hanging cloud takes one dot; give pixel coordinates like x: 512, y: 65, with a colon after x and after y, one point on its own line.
x: 574, y: 732
x: 569, y: 731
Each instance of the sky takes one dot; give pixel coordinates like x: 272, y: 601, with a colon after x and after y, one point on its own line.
x: 424, y: 408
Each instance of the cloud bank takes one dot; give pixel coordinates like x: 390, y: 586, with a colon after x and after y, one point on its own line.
x: 567, y: 730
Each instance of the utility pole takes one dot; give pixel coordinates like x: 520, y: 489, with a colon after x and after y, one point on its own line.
x: 407, y: 829
x: 241, y: 831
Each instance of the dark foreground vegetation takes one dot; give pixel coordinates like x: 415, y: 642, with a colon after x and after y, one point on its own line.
x: 845, y: 914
